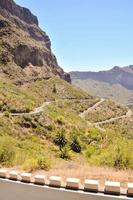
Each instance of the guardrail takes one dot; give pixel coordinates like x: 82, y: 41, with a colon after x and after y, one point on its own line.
x: 25, y: 186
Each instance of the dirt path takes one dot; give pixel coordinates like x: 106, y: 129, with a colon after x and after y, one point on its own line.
x: 97, y: 124
x: 36, y: 111
x: 40, y: 109
x: 127, y: 115
x: 83, y: 114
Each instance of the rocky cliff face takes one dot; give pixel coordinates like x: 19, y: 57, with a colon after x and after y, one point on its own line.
x: 20, y: 12
x: 25, y: 50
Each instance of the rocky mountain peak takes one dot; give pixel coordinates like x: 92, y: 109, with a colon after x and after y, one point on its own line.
x: 23, y: 13
x: 116, y: 68
x: 24, y: 44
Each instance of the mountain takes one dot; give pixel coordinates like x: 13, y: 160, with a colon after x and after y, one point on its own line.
x: 116, y: 83
x: 25, y: 50
x: 45, y: 121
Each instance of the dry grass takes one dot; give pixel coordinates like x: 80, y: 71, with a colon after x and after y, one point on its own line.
x: 84, y: 171
x: 72, y: 169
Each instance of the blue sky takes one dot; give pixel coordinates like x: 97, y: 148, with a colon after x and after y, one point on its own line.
x: 87, y: 34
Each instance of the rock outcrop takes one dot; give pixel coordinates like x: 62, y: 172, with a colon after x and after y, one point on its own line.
x: 24, y: 44
x: 18, y: 11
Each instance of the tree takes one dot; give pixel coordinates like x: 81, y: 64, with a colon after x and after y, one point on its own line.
x: 75, y: 145
x: 60, y: 139
x: 54, y: 89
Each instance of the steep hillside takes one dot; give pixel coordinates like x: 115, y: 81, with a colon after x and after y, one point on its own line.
x: 41, y: 125
x: 25, y: 50
x: 116, y: 83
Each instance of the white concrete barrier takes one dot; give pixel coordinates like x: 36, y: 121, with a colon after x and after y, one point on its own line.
x: 130, y: 189
x: 112, y: 187
x: 3, y: 173
x: 73, y: 183
x: 26, y: 177
x: 12, y: 190
x: 40, y: 179
x: 27, y: 186
x: 13, y: 175
x: 55, y: 181
x: 91, y: 185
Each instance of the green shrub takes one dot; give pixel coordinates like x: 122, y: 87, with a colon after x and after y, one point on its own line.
x: 7, y: 151
x: 27, y: 118
x: 60, y: 139
x: 44, y: 162
x: 33, y: 164
x: 12, y: 109
x: 118, y: 155
x: 91, y: 150
x: 4, y: 107
x: 94, y: 136
x: 76, y: 145
x: 41, y: 131
x: 54, y: 89
x: 49, y: 127
x: 6, y: 114
x: 65, y: 153
x: 30, y: 165
x: 20, y: 157
x: 60, y: 120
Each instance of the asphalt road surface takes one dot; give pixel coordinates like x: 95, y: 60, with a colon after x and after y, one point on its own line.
x: 10, y: 190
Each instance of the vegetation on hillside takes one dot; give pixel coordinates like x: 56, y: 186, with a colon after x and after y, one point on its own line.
x: 107, y: 110
x: 58, y: 133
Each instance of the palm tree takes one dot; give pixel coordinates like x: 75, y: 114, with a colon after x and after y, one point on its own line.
x: 54, y: 89
x: 60, y: 139
x: 75, y: 145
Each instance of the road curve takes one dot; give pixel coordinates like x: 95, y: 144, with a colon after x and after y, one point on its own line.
x: 37, y: 110
x: 83, y: 114
x: 97, y: 124
x: 40, y: 109
x: 127, y: 115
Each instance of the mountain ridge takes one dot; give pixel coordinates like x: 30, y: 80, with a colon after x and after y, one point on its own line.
x: 116, y: 83
x: 20, y: 12
x: 123, y: 76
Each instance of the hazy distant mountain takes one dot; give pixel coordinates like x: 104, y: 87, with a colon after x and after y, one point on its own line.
x: 116, y: 83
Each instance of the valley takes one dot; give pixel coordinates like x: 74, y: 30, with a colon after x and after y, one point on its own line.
x: 76, y: 124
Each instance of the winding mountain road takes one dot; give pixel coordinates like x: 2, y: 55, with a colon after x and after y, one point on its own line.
x: 127, y: 115
x: 40, y: 109
x: 97, y: 124
x: 36, y: 111
x: 83, y: 114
